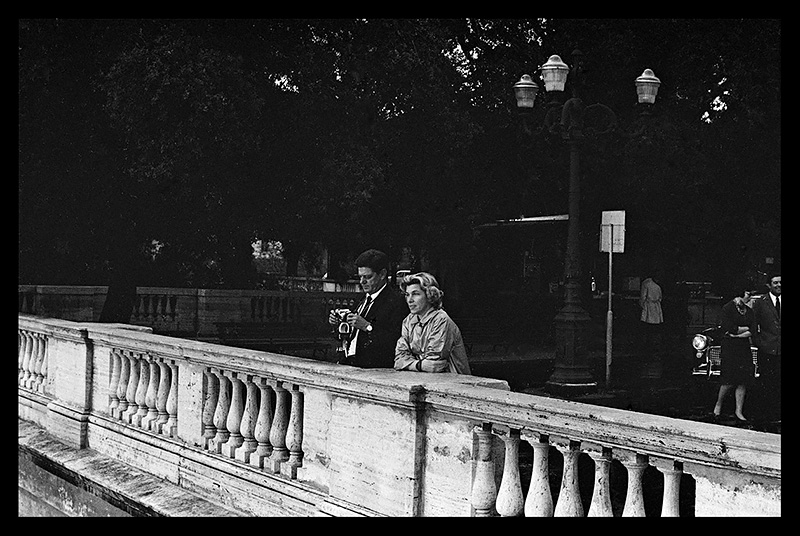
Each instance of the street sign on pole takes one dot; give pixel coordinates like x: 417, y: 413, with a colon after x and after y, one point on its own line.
x: 612, y: 240
x: 613, y: 222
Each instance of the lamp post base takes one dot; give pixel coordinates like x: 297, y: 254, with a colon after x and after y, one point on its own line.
x: 572, y: 374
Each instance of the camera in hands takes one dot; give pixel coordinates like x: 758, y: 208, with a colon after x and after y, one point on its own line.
x: 344, y: 328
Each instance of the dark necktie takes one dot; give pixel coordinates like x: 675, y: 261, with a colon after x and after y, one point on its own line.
x: 367, y: 303
x: 362, y: 311
x: 778, y: 305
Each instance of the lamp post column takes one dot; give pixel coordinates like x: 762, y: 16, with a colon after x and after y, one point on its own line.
x: 572, y: 372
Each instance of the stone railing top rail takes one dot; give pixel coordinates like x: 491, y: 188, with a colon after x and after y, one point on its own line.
x: 481, y: 399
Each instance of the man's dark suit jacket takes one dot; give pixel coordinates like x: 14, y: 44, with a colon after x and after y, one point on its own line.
x: 769, y: 326
x: 376, y: 349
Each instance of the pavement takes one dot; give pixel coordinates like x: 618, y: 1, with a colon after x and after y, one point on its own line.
x: 671, y: 391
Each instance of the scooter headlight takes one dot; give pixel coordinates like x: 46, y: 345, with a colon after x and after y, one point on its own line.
x: 699, y: 342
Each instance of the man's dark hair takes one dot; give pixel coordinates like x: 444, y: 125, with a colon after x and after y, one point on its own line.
x: 372, y: 258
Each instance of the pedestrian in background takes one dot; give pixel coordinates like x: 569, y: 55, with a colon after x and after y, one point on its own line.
x: 736, y: 359
x: 430, y: 340
x: 652, y: 316
x: 767, y: 312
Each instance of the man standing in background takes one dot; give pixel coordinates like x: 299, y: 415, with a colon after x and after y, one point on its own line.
x: 767, y: 311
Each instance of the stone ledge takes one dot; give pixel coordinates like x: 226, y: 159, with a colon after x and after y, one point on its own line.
x: 131, y: 490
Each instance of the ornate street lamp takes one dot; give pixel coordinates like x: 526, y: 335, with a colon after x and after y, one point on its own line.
x: 572, y: 373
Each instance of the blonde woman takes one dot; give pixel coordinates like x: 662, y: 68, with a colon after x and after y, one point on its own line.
x: 430, y: 340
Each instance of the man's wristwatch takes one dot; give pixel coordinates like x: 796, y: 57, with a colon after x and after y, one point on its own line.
x: 368, y: 329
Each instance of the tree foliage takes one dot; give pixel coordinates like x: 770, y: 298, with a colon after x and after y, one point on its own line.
x: 164, y: 148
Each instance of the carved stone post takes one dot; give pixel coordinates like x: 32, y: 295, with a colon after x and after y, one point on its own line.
x: 634, y: 501
x: 221, y: 413
x: 43, y: 367
x: 510, y: 502
x: 484, y: 489
x: 150, y: 395
x: 280, y: 423
x: 539, y: 502
x: 234, y: 420
x: 20, y: 355
x: 569, y: 497
x: 601, y: 498
x: 170, y: 427
x: 113, y: 381
x: 36, y: 379
x: 263, y: 425
x: 672, y: 471
x: 165, y: 378
x: 130, y: 394
x: 249, y: 418
x: 26, y: 360
x: 210, y: 407
x: 122, y: 386
x: 141, y: 392
x: 294, y: 433
x: 30, y: 373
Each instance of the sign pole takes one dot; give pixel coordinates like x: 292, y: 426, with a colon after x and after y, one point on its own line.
x: 610, y: 315
x: 611, y: 219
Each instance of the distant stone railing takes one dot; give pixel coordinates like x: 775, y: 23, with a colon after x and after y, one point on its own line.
x: 269, y: 434
x: 198, y: 313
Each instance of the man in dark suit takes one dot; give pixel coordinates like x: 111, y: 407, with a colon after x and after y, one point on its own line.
x: 767, y: 311
x: 376, y: 322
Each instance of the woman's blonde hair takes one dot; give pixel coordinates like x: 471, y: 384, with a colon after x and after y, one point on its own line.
x: 428, y: 284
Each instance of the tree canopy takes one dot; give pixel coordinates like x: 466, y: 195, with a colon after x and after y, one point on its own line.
x: 157, y: 151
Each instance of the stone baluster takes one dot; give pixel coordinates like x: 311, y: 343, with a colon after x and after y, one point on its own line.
x: 672, y: 471
x: 130, y: 393
x: 170, y: 427
x: 601, y: 497
x: 25, y: 370
x: 162, y: 306
x: 484, y: 489
x: 141, y: 391
x: 234, y: 420
x: 249, y: 418
x: 113, y: 380
x: 280, y: 423
x: 30, y: 356
x: 162, y: 395
x: 42, y: 387
x: 569, y: 497
x: 209, y: 407
x: 154, y: 307
x: 24, y: 353
x: 634, y: 500
x: 122, y: 386
x: 263, y: 425
x: 173, y: 307
x: 539, y: 501
x: 150, y: 395
x: 221, y: 413
x: 510, y: 501
x: 294, y: 432
x: 29, y: 369
x: 37, y: 378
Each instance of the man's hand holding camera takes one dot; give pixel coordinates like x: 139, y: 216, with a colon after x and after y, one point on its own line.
x: 338, y: 317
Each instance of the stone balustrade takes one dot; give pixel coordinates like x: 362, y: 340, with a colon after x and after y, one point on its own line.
x: 197, y: 313
x: 275, y: 435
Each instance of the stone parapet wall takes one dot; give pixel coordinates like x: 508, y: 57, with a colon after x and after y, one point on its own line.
x: 269, y: 434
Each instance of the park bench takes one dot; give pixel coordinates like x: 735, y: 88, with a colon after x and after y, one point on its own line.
x: 285, y: 338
